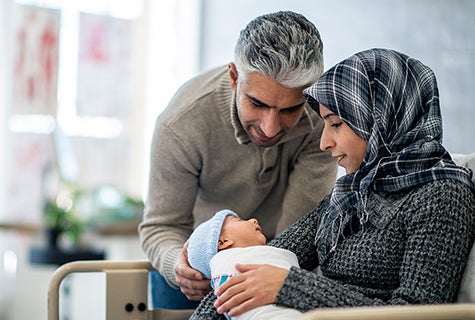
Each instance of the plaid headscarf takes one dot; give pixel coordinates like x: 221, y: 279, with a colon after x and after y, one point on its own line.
x: 391, y: 101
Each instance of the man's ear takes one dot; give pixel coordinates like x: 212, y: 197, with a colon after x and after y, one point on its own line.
x: 233, y: 75
x: 224, y: 243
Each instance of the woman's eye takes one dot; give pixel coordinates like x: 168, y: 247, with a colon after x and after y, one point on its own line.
x: 336, y: 125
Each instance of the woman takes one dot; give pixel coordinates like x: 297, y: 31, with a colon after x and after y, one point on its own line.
x: 398, y: 227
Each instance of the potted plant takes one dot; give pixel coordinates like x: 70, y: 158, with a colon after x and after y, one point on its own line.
x: 60, y: 218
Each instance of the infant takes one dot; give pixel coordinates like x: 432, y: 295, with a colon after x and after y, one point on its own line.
x: 218, y: 244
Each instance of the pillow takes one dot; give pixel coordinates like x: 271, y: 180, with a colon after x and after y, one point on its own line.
x: 467, y: 286
x: 465, y: 160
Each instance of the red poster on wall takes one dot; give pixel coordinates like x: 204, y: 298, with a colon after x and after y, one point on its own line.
x: 104, y: 66
x: 35, y: 54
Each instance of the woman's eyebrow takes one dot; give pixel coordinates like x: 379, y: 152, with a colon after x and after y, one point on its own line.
x: 329, y: 115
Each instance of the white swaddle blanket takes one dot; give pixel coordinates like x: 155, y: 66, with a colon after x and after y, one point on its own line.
x: 223, y: 267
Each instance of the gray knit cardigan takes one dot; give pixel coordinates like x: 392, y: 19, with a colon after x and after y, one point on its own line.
x: 412, y: 250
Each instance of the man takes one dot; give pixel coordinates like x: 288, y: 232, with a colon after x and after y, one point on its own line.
x: 239, y: 137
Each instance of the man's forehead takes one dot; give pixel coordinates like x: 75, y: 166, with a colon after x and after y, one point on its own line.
x: 270, y: 93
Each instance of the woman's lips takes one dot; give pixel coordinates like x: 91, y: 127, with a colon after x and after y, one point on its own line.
x: 340, y: 160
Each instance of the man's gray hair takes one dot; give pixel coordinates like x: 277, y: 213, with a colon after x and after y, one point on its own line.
x: 284, y: 46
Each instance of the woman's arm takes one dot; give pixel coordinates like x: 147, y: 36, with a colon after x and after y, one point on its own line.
x: 206, y: 309
x: 440, y: 227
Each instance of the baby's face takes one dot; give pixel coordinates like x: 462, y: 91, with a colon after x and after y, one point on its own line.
x: 243, y: 233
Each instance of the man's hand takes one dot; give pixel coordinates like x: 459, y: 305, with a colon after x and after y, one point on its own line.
x: 192, y: 283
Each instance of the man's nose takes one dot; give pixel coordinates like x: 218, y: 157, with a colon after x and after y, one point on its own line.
x: 270, y: 123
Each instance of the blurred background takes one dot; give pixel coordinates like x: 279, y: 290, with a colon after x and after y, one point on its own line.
x: 82, y: 83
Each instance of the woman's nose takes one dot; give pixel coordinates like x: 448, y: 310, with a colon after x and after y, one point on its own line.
x: 326, y: 142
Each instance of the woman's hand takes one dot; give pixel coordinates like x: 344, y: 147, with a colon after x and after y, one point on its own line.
x: 257, y: 285
x: 192, y: 283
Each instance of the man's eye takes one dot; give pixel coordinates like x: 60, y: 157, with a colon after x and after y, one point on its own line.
x: 292, y: 110
x: 257, y: 105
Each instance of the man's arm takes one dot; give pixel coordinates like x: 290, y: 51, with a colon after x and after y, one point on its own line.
x: 168, y: 219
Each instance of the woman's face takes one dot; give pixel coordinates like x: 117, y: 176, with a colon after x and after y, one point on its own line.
x: 341, y: 141
x: 239, y: 233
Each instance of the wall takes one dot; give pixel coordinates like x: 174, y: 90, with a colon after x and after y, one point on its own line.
x: 4, y: 85
x: 441, y: 33
x: 166, y: 49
